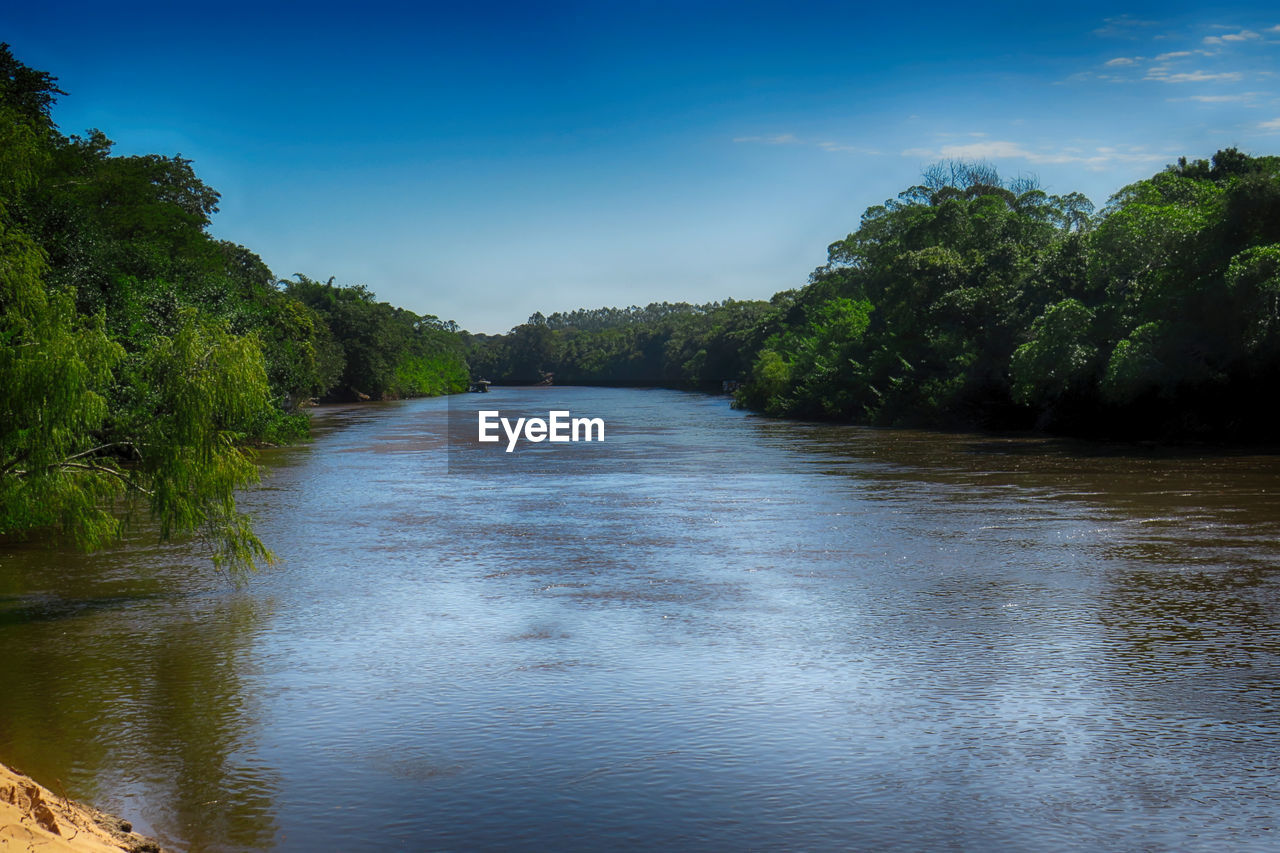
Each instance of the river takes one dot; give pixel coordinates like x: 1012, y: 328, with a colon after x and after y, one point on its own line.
x: 713, y: 631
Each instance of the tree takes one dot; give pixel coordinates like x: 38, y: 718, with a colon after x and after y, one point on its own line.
x: 143, y: 359
x: 1058, y: 363
x: 84, y: 420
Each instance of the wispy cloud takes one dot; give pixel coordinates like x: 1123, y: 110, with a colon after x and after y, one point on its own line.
x: 1123, y: 27
x: 1272, y: 126
x: 827, y: 145
x: 1237, y: 98
x: 1098, y: 157
x: 780, y: 139
x: 1174, y: 66
x: 1088, y: 76
x: 1243, y: 35
x: 1162, y: 74
x: 792, y: 139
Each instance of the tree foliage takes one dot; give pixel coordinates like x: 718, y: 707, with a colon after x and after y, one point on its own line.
x: 679, y: 345
x: 141, y: 359
x: 972, y: 300
x: 385, y: 352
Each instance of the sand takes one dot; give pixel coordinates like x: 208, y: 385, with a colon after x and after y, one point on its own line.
x: 33, y: 818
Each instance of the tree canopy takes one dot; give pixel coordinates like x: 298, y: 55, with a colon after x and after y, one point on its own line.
x: 970, y: 300
x: 143, y: 359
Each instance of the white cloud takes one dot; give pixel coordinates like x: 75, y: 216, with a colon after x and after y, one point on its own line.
x: 985, y: 150
x: 1243, y: 35
x: 1174, y: 65
x: 1099, y: 158
x: 1163, y: 75
x: 1273, y: 125
x: 1222, y: 99
x: 792, y: 139
x: 836, y: 146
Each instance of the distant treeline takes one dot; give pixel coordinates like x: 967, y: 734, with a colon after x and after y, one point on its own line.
x: 977, y: 302
x: 140, y: 357
x: 662, y: 344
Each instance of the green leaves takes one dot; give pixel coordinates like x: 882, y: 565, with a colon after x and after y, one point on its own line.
x: 64, y: 458
x: 662, y: 343
x: 377, y: 350
x: 141, y: 359
x: 1135, y: 368
x: 55, y: 368
x: 1059, y: 358
x: 997, y: 304
x: 1253, y: 278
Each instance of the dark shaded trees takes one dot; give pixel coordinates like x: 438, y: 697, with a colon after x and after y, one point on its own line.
x: 974, y: 301
x: 994, y: 304
x: 377, y: 350
x: 679, y: 345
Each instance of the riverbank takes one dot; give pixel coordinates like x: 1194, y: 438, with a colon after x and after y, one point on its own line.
x: 34, y: 818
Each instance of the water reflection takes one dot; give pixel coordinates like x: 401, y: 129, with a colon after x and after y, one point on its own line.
x: 745, y: 633
x: 124, y: 685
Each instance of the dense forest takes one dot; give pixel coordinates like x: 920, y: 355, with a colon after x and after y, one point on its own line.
x: 678, y: 345
x: 142, y: 358
x: 976, y: 302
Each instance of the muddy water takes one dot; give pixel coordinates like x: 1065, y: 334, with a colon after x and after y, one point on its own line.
x: 714, y: 631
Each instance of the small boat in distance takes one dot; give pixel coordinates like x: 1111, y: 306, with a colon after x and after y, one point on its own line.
x: 480, y: 386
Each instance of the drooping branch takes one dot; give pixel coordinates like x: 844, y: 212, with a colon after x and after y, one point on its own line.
x: 101, y: 447
x: 112, y: 471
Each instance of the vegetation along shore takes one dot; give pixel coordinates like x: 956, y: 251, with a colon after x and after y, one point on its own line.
x: 144, y: 359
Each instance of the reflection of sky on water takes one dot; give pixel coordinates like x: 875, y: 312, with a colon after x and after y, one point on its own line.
x: 847, y: 638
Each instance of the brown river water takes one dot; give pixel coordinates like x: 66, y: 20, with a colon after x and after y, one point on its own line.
x: 713, y: 631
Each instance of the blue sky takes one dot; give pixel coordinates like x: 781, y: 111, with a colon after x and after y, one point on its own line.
x: 481, y: 161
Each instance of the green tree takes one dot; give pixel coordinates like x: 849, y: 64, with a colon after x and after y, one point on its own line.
x: 1058, y: 363
x: 86, y: 420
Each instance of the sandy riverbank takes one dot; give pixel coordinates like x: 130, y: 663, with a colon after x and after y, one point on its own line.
x: 33, y: 818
